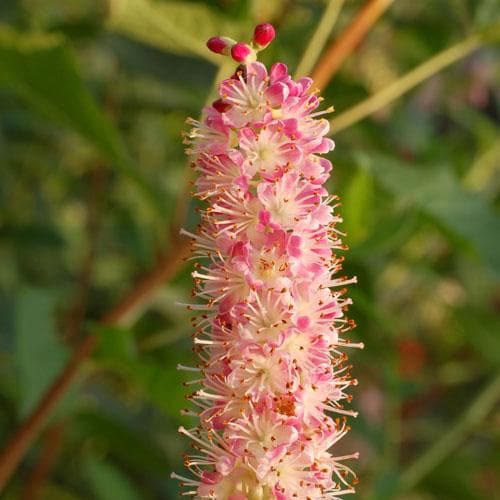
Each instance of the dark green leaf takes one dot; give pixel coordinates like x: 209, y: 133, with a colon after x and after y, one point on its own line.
x: 39, y: 355
x: 481, y: 330
x: 134, y: 446
x: 435, y: 192
x: 108, y: 482
x: 42, y: 70
x: 115, y: 344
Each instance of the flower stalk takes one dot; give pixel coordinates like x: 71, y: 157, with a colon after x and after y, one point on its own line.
x: 270, y: 325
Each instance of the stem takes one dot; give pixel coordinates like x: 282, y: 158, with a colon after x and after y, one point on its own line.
x: 22, y: 439
x: 484, y: 169
x: 48, y: 456
x: 73, y: 323
x: 78, y: 305
x: 348, y: 41
x: 131, y: 306
x: 452, y: 439
x: 319, y: 38
x: 406, y: 83
x: 120, y: 315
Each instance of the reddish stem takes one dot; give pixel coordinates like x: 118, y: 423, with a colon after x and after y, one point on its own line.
x: 20, y: 442
x: 51, y: 445
x: 348, y: 40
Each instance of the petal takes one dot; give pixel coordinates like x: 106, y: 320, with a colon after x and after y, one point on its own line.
x: 278, y: 71
x: 276, y: 94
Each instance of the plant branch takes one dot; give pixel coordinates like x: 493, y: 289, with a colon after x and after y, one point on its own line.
x: 475, y: 413
x: 405, y: 83
x: 78, y: 305
x: 51, y: 445
x: 319, y: 38
x: 25, y: 435
x: 348, y: 40
x: 120, y: 315
x: 72, y: 324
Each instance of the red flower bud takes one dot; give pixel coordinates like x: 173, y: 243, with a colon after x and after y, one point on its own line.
x: 240, y: 51
x: 264, y: 34
x: 218, y: 45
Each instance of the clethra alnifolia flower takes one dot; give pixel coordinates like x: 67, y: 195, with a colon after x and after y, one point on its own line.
x: 271, y: 318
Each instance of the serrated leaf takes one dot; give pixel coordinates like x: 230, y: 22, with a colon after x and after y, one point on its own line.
x: 178, y: 27
x: 39, y: 355
x: 40, y: 69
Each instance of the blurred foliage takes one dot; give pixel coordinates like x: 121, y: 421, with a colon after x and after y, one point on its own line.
x: 93, y: 99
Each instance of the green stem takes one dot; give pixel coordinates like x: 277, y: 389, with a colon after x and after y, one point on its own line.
x: 406, y: 83
x: 319, y: 38
x: 475, y: 413
x: 484, y: 169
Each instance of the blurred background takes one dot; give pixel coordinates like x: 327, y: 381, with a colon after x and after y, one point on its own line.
x: 93, y: 189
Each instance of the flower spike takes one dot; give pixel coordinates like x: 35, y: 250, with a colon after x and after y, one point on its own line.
x: 270, y: 331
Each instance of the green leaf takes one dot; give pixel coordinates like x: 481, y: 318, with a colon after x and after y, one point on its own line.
x: 179, y: 27
x: 39, y: 355
x: 480, y: 329
x: 435, y: 192
x: 115, y: 344
x: 160, y: 384
x: 157, y: 382
x: 357, y: 209
x: 39, y: 68
x: 107, y: 482
x: 386, y: 485
x: 268, y: 9
x: 135, y: 447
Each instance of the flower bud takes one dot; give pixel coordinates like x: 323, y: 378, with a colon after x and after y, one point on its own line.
x: 220, y: 45
x: 263, y: 35
x: 241, y: 52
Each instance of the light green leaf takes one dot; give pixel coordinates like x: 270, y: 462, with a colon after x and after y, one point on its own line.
x: 357, y: 207
x: 39, y: 355
x: 40, y: 69
x: 107, y: 482
x: 435, y: 192
x: 268, y: 10
x: 178, y: 27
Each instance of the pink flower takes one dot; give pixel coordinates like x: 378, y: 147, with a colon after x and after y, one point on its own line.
x: 272, y: 322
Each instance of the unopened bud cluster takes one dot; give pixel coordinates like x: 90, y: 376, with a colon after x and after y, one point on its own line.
x: 242, y: 52
x: 270, y: 324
